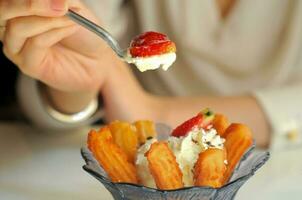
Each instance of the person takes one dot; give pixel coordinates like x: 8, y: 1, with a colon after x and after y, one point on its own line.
x: 240, y: 58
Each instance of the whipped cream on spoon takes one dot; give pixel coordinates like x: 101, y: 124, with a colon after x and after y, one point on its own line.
x: 164, y: 56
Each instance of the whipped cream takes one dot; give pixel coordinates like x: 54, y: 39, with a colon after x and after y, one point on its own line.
x: 152, y: 62
x: 186, y: 150
x: 142, y: 165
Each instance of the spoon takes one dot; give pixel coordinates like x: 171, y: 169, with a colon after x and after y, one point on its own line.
x: 101, y: 32
x: 143, y: 64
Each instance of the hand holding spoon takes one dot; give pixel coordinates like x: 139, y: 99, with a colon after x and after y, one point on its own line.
x: 147, y: 51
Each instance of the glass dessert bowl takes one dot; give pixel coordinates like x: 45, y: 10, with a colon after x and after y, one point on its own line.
x: 202, y: 187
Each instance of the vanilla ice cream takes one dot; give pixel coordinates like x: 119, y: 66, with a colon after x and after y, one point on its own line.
x: 186, y: 150
x: 143, y: 171
x: 152, y: 62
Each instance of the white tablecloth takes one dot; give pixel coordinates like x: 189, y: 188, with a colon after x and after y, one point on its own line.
x: 36, y: 165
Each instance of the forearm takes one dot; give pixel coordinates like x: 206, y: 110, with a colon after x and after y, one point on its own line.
x: 124, y: 98
x: 241, y: 109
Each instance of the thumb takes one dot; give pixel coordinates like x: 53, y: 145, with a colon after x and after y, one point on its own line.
x: 18, y: 8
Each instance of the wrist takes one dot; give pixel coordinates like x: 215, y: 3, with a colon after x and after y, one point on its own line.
x: 68, y: 102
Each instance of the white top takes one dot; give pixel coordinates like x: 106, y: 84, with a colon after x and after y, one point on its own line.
x: 257, y: 49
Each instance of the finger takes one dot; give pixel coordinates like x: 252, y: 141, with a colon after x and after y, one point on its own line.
x: 18, y: 30
x: 16, y: 8
x: 35, y: 58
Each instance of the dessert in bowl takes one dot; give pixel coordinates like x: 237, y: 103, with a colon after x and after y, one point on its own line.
x: 203, y: 158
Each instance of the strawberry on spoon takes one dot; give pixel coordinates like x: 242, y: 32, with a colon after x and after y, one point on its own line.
x: 147, y: 51
x: 151, y: 44
x: 151, y: 50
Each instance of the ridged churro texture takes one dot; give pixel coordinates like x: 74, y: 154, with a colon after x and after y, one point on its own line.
x: 125, y: 136
x: 163, y: 167
x: 111, y: 157
x: 210, y: 168
x: 145, y: 129
x: 220, y: 123
x: 238, y: 140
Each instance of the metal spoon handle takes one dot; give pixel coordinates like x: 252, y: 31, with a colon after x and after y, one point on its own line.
x: 105, y: 35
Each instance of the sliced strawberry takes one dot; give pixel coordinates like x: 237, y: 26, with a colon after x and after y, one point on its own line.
x: 148, y: 38
x: 150, y: 44
x: 201, y: 120
x: 153, y: 49
x: 187, y: 126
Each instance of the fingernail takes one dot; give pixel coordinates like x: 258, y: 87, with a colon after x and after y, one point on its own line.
x: 58, y: 5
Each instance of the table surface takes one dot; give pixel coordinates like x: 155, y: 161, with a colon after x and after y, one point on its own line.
x: 38, y: 165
